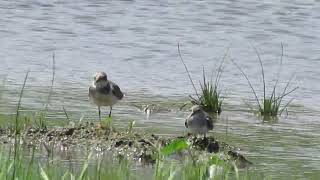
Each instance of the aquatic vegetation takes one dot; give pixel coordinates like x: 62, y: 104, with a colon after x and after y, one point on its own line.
x: 210, y: 96
x: 147, y: 149
x: 269, y: 106
x: 196, y: 165
x: 192, y: 158
x: 210, y: 99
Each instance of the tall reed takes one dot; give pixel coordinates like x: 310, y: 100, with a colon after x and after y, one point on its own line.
x: 17, y: 128
x: 43, y: 115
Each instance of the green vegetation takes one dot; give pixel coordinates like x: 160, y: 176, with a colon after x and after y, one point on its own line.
x: 100, y: 167
x: 32, y: 168
x: 210, y: 98
x: 15, y: 165
x: 17, y: 130
x: 271, y: 106
x: 175, y: 146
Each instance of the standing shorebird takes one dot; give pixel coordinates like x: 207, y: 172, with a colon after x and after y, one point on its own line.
x: 104, y: 92
x: 199, y: 122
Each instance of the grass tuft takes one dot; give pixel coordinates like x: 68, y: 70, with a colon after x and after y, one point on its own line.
x: 269, y: 106
x: 210, y: 98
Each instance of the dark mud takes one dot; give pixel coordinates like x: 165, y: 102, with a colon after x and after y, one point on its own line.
x: 138, y: 146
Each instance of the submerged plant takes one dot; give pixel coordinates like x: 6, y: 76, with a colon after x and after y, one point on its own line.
x: 209, y: 98
x: 273, y: 105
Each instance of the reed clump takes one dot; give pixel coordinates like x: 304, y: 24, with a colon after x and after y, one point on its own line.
x: 272, y: 105
x: 210, y: 98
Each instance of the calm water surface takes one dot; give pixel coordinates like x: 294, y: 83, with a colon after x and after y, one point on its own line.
x: 135, y: 42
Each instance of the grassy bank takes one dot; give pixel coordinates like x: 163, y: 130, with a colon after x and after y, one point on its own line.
x: 27, y: 165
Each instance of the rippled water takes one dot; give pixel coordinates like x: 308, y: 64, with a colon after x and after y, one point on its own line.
x: 135, y: 42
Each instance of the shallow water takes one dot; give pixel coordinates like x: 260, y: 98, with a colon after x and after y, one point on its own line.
x: 135, y: 42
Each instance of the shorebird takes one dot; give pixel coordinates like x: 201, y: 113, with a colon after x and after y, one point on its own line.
x: 199, y: 122
x: 103, y: 92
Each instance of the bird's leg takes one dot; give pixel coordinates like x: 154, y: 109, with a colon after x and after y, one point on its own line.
x: 110, y: 111
x: 99, y: 113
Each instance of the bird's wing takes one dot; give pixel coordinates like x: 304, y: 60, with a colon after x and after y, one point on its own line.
x: 103, y: 88
x: 92, y: 91
x: 209, y: 122
x: 188, y: 119
x: 116, y: 91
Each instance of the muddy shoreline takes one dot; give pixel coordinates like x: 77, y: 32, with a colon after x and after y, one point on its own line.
x: 138, y: 146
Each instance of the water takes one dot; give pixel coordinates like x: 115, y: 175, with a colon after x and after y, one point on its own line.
x: 135, y: 42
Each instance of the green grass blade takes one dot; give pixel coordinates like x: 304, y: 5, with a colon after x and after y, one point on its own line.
x: 185, y: 66
x: 130, y: 126
x: 66, y: 174
x: 72, y: 177
x: 216, y: 160
x: 273, y: 94
x: 287, y: 93
x: 194, y: 100
x: 20, y: 99
x: 284, y: 107
x: 43, y: 174
x: 17, y: 126
x: 65, y: 113
x: 254, y: 92
x: 219, y: 70
x: 84, y: 170
x: 52, y: 82
x: 262, y: 71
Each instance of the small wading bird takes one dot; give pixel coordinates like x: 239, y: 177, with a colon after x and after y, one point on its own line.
x: 103, y: 92
x: 199, y: 122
